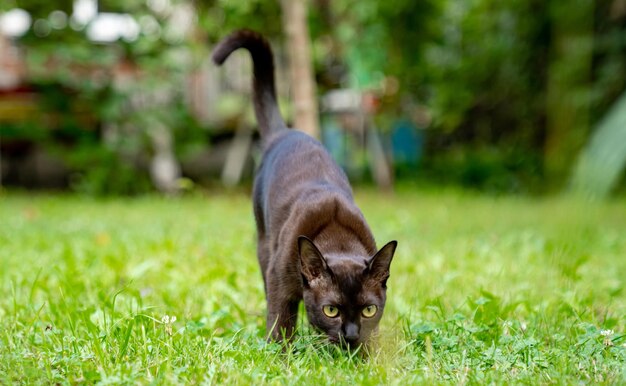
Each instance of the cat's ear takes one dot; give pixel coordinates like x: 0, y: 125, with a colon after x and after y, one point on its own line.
x: 311, y: 260
x: 378, y: 266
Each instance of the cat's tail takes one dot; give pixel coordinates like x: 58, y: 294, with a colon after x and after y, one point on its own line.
x: 265, y: 106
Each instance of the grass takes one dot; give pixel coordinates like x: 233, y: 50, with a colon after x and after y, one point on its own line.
x: 483, y: 290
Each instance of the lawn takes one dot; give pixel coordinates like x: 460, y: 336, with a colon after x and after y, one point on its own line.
x: 141, y: 290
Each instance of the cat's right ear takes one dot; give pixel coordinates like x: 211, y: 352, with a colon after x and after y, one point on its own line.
x: 312, y: 262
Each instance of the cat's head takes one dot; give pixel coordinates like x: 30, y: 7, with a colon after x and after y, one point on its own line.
x: 344, y: 297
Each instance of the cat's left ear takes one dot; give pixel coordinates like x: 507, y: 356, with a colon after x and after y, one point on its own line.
x: 378, y: 266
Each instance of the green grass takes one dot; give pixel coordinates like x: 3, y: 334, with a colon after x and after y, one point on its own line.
x: 483, y: 290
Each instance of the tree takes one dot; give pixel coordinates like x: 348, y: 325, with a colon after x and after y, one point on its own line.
x: 301, y: 66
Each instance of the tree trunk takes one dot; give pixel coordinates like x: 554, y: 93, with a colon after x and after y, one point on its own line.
x: 569, y: 76
x: 300, y: 67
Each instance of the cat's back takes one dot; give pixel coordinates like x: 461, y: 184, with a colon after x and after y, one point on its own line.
x: 297, y: 174
x: 293, y: 161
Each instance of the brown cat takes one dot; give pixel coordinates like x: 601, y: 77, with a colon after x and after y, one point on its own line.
x: 313, y: 242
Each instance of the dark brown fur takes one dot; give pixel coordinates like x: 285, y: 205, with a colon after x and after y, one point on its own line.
x: 313, y: 242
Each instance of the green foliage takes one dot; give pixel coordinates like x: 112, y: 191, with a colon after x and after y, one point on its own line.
x: 378, y: 39
x: 478, y: 68
x: 482, y: 291
x: 504, y: 170
x: 101, y: 171
x: 484, y: 47
x: 38, y: 8
x: 76, y: 77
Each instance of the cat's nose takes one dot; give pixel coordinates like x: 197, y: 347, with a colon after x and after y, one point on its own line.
x: 351, y: 332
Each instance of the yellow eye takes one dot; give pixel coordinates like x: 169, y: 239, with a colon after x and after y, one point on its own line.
x: 369, y: 311
x: 330, y: 311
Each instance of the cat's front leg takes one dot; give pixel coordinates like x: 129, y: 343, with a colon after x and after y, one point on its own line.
x: 282, y: 316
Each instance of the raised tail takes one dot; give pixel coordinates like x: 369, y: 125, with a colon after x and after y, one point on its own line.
x: 265, y: 106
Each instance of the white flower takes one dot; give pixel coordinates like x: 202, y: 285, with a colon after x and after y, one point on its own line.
x: 168, y: 321
x: 607, y: 334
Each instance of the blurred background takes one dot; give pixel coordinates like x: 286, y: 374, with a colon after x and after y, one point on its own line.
x: 120, y: 97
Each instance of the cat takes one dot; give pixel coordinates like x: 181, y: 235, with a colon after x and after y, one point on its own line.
x: 313, y: 243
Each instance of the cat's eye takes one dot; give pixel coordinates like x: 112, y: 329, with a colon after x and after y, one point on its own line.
x: 369, y: 311
x: 330, y: 311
